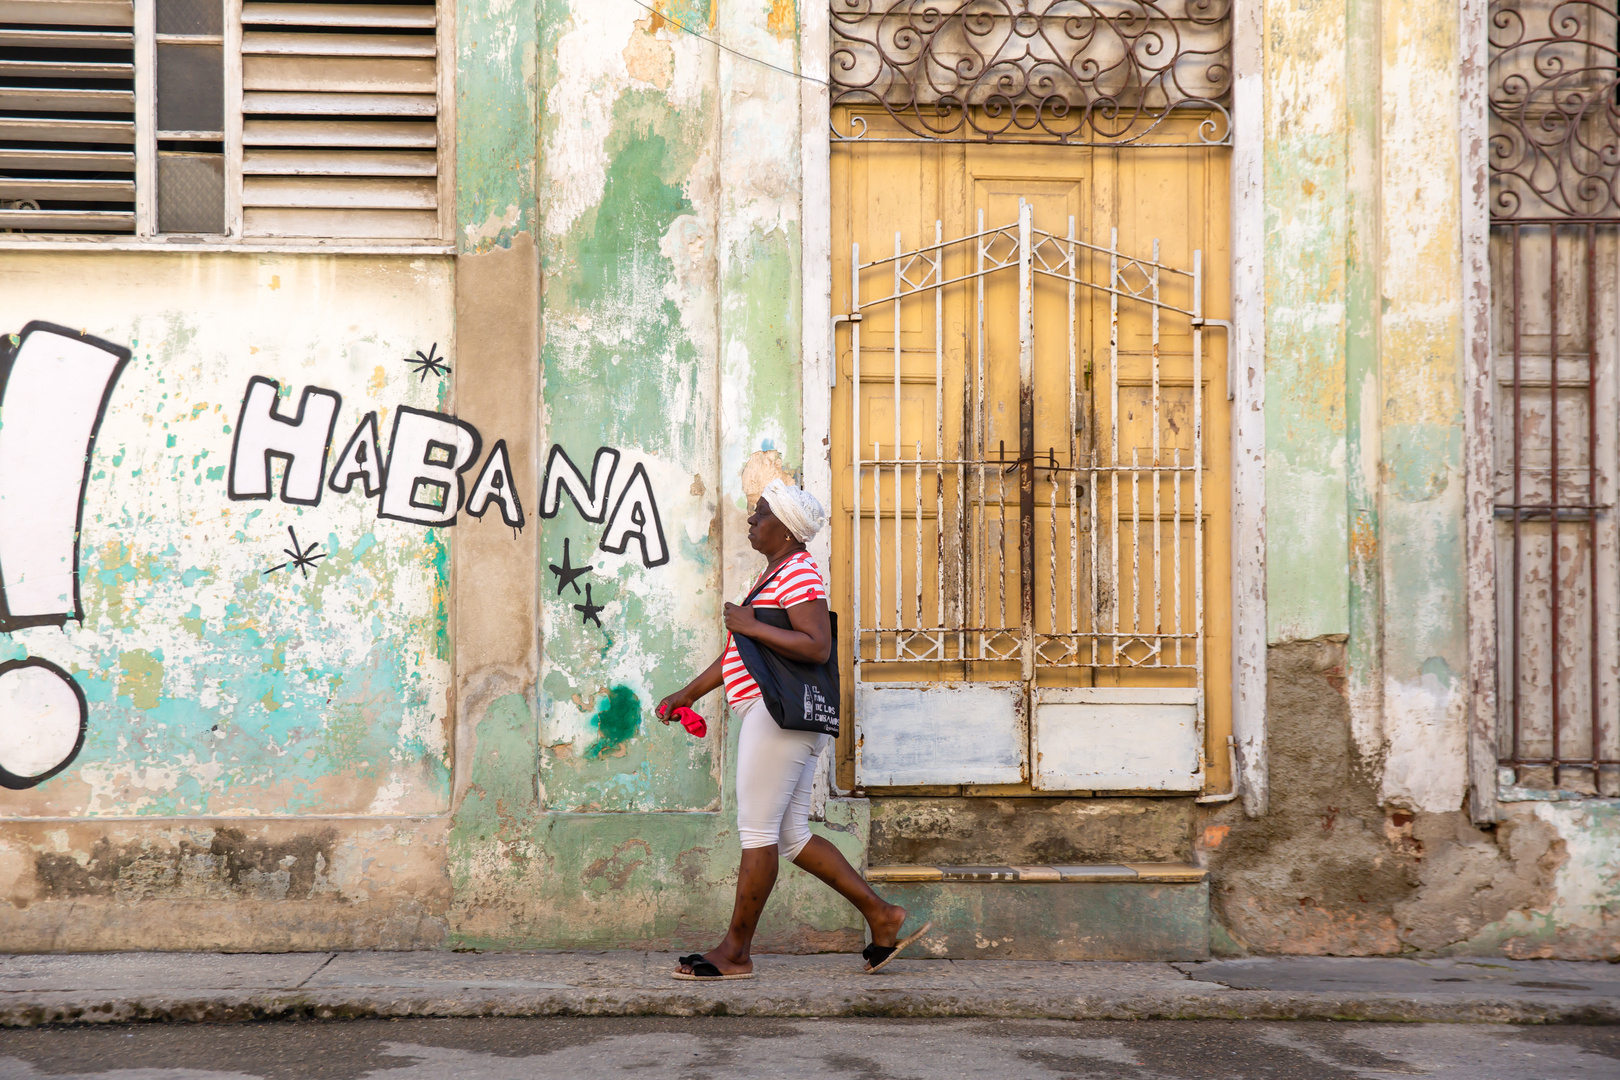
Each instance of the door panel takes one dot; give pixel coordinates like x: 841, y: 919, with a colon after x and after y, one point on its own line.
x: 1079, y: 538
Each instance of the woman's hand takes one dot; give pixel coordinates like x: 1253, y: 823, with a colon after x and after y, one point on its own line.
x: 686, y: 696
x: 740, y: 620
x: 680, y: 699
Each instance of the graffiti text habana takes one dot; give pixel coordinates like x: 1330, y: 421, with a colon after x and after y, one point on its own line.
x: 420, y: 480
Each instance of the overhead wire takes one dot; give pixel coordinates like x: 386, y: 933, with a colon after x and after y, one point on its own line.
x: 683, y: 28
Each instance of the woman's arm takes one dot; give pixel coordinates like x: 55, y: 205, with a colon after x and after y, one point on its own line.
x: 808, y: 641
x: 706, y: 682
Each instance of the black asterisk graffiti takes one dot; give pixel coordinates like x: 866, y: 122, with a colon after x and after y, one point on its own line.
x: 431, y: 363
x: 566, y: 573
x: 589, y: 611
x: 301, y: 560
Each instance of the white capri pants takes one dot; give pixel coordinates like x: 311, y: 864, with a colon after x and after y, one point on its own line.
x: 776, y: 769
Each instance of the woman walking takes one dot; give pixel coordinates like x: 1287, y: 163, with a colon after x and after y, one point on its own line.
x: 776, y: 766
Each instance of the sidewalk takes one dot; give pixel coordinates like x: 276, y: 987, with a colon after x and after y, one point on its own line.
x: 118, y: 987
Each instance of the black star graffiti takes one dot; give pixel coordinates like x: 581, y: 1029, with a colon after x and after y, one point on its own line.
x: 566, y: 573
x: 301, y: 560
x: 432, y: 363
x: 588, y: 611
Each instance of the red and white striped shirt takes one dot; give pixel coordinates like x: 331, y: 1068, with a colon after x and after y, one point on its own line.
x: 797, y: 581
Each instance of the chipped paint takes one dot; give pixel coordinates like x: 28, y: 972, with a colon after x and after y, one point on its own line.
x: 352, y: 753
x: 214, y: 686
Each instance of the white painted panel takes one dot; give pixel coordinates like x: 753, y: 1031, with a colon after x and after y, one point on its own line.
x: 939, y: 734
x: 51, y: 408
x: 1117, y: 739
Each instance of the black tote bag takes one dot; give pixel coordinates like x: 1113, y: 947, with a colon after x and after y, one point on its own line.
x: 799, y: 696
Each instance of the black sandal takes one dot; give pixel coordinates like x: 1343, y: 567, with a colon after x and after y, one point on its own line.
x: 878, y: 955
x: 703, y: 971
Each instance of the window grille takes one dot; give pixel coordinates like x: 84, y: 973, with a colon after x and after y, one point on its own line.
x: 1069, y: 72
x: 1555, y: 262
x: 260, y: 120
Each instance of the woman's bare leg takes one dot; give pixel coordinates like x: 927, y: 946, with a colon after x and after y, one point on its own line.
x: 756, y: 877
x: 820, y: 858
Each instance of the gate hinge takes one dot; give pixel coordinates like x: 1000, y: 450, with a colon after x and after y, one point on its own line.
x: 832, y: 376
x: 1231, y: 353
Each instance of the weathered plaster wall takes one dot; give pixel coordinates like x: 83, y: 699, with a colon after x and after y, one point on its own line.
x: 664, y: 239
x: 225, y: 682
x: 1425, y: 647
x: 1337, y: 869
x: 218, y: 685
x: 1306, y: 204
x: 1364, y: 346
x: 236, y: 885
x: 1368, y: 847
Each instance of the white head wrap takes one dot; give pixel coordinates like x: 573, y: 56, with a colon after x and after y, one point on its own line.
x: 795, y: 508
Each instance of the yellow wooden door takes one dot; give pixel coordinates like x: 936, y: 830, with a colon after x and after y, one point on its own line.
x: 1031, y: 487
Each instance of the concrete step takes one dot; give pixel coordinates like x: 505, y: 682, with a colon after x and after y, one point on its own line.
x: 1102, y: 911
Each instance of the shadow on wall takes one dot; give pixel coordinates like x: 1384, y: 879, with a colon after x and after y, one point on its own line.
x: 1330, y: 871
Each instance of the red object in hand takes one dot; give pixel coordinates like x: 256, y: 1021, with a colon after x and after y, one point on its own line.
x: 692, y: 722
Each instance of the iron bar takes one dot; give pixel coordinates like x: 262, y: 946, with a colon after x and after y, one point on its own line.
x: 855, y: 452
x: 1175, y: 541
x: 1198, y: 481
x: 939, y: 440
x: 877, y: 552
x: 1592, y: 445
x: 979, y: 422
x: 1518, y: 484
x: 1552, y: 345
x: 1136, y: 543
x: 1074, y: 446
x: 1158, y: 556
x: 1052, y: 573
x: 899, y: 517
x: 916, y: 478
x: 1026, y: 436
x: 1113, y: 455
x: 1001, y: 536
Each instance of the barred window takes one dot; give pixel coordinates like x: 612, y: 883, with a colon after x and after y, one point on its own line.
x: 220, y: 119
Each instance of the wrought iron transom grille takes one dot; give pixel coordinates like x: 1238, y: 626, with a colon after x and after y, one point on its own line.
x: 1555, y: 259
x: 1555, y: 109
x: 1104, y: 73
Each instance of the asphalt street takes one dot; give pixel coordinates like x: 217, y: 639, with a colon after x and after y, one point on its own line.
x: 719, y: 1048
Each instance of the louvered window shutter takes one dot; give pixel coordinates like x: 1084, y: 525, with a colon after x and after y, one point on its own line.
x: 67, y: 116
x: 295, y: 120
x: 340, y: 120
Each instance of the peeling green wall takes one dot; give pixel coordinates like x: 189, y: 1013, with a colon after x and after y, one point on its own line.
x: 629, y: 364
x: 496, y: 94
x: 666, y: 222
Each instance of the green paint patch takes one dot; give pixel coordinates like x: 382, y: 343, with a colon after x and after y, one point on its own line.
x: 617, y: 721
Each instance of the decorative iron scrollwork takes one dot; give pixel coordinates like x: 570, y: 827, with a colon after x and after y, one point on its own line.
x: 1555, y: 110
x: 1084, y: 72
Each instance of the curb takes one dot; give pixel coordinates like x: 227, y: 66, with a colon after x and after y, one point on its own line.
x: 1218, y: 1004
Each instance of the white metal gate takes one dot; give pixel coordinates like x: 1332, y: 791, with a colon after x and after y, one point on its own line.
x: 1054, y: 609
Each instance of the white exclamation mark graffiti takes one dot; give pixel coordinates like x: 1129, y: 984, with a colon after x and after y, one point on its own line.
x: 54, y: 388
